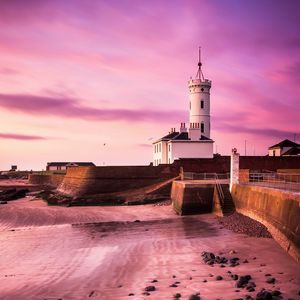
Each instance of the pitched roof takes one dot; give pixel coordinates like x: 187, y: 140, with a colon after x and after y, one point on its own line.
x: 81, y: 164
x: 292, y: 151
x: 181, y: 136
x: 204, y: 138
x: 285, y: 143
x: 170, y: 136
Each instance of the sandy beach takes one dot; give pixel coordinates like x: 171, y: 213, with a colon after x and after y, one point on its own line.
x: 49, y: 252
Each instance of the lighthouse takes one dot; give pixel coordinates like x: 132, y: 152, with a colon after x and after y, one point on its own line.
x: 194, y: 142
x: 199, y: 102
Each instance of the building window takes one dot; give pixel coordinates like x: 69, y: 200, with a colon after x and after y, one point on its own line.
x: 190, y: 105
x: 274, y: 153
x: 202, y: 127
x: 202, y: 104
x: 169, y: 147
x: 159, y: 147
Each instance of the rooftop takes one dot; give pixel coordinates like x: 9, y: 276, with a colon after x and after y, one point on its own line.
x: 285, y: 143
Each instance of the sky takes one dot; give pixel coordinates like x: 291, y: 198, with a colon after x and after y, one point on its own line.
x: 85, y: 80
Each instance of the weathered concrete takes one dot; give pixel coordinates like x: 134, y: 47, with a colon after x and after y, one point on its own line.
x: 81, y: 181
x: 52, y: 180
x: 234, y: 168
x: 278, y: 210
x: 192, y: 197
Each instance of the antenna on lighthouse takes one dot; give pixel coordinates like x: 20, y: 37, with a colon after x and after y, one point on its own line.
x: 199, y: 72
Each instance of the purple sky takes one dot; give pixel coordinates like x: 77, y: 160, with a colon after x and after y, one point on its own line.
x: 100, y: 80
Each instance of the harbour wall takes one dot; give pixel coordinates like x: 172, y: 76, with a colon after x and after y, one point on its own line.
x: 98, y: 180
x: 49, y: 180
x: 278, y: 210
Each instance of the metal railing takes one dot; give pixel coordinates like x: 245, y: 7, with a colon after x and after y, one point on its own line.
x: 205, y: 176
x: 284, y: 181
x: 219, y: 189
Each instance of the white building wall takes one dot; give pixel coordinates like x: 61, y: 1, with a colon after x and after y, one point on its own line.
x: 160, y: 153
x: 190, y: 150
x: 278, y: 151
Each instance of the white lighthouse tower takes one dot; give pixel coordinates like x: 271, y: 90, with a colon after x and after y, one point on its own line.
x: 199, y: 96
x: 194, y: 142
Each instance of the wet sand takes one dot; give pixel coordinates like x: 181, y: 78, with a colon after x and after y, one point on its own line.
x: 104, y: 253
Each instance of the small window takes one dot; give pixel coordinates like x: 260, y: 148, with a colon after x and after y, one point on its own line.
x: 202, y: 89
x: 159, y: 147
x: 190, y: 105
x: 202, y: 127
x: 202, y: 104
x: 274, y: 153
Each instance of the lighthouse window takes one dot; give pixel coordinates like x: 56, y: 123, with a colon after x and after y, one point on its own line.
x: 202, y: 127
x: 202, y: 104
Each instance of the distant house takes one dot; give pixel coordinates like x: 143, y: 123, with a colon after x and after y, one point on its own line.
x: 62, y: 166
x: 285, y: 148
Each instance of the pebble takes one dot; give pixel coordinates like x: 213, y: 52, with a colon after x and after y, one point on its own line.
x: 194, y: 297
x: 219, y: 277
x: 177, y: 296
x: 271, y: 280
x: 131, y: 294
x: 150, y: 288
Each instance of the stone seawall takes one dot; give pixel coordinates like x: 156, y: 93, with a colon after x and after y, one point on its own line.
x: 51, y: 180
x: 221, y: 164
x: 98, y: 180
x: 192, y: 198
x: 278, y: 210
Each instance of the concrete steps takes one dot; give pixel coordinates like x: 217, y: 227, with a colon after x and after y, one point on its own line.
x: 227, y: 205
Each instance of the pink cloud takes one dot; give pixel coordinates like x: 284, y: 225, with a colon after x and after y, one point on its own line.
x: 23, y: 137
x: 72, y: 108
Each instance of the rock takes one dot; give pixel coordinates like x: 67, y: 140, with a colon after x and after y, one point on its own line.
x: 204, y: 280
x: 13, y: 194
x: 250, y: 289
x: 3, y: 202
x: 146, y: 294
x: 91, y: 294
x: 235, y: 277
x: 194, y: 297
x: 177, y: 296
x: 150, y: 288
x: 153, y: 281
x: 232, y: 252
x: 219, y: 277
x: 137, y: 221
x: 131, y: 294
x: 243, y: 281
x: 251, y: 284
x: 268, y: 274
x: 245, y: 261
x: 276, y: 293
x: 173, y: 285
x: 271, y: 280
x: 264, y: 295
